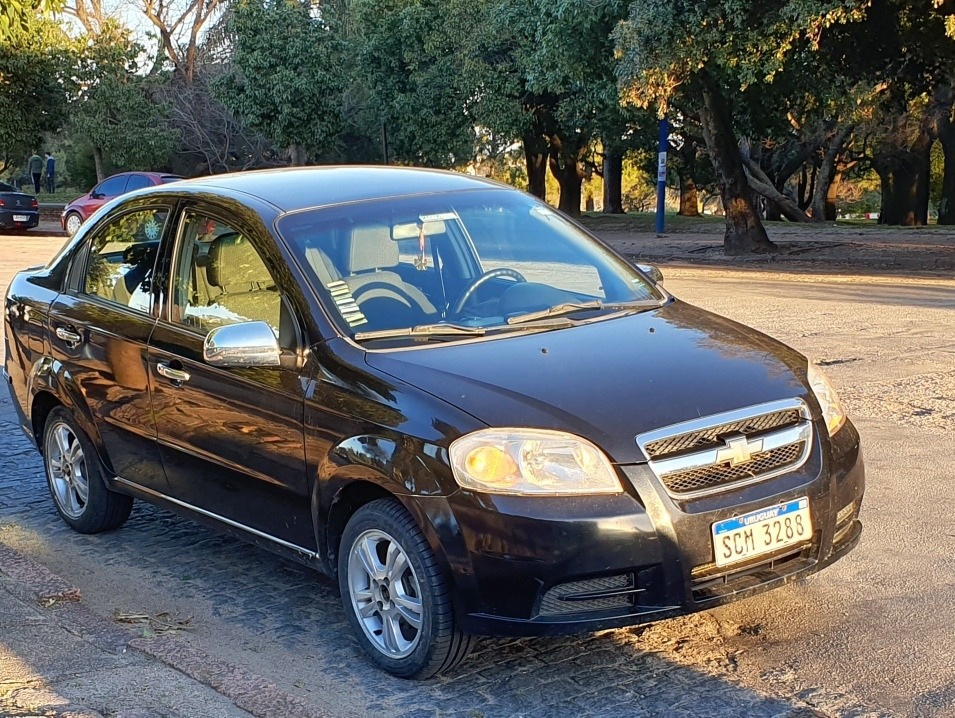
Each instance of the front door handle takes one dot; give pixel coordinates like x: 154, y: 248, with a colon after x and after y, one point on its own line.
x: 69, y: 336
x: 176, y: 375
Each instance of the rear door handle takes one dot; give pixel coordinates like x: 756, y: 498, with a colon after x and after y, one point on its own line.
x: 177, y: 375
x: 68, y: 335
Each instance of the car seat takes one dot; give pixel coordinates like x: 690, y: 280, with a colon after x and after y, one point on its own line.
x: 245, y: 287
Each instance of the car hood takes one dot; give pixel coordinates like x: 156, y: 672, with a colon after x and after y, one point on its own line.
x: 608, y: 380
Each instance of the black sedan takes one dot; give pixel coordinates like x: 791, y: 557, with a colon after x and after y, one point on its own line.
x: 436, y: 389
x: 18, y: 210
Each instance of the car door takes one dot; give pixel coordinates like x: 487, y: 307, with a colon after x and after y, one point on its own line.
x: 99, y: 329
x: 102, y: 193
x: 231, y: 439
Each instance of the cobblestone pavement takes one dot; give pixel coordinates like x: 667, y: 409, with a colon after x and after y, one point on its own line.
x: 249, y: 605
x: 284, y: 622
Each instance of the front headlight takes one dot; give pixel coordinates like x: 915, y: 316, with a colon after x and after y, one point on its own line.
x: 828, y: 399
x: 531, y: 462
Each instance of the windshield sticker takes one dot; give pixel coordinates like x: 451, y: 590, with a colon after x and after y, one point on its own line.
x: 346, y: 304
x: 438, y: 217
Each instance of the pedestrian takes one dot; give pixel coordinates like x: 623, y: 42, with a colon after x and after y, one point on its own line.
x: 50, y: 173
x: 35, y: 168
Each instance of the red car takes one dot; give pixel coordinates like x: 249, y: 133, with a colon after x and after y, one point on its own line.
x: 80, y: 209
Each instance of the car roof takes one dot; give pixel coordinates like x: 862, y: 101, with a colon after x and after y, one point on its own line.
x: 293, y: 188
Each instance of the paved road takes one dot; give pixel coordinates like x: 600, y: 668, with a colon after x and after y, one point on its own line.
x: 870, y: 636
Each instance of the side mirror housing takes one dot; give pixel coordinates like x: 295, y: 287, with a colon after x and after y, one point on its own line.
x: 248, y: 344
x: 96, y: 195
x: 653, y: 272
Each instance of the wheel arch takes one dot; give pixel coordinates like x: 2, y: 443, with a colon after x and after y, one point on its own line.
x: 54, y: 387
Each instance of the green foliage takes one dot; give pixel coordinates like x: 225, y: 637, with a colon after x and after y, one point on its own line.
x: 408, y: 68
x: 115, y: 112
x: 665, y: 42
x: 287, y: 79
x: 36, y: 80
x: 19, y: 15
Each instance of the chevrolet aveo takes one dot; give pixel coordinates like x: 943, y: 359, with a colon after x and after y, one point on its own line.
x: 436, y: 389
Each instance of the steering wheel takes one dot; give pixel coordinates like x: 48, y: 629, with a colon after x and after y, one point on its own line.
x: 479, y: 282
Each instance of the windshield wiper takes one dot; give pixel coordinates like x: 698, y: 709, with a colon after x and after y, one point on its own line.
x: 569, y: 307
x: 556, y: 310
x: 423, y: 330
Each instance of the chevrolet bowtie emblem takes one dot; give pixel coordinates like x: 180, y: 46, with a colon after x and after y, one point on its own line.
x: 739, y: 450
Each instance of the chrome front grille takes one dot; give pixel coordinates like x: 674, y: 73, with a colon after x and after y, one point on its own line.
x: 725, y: 451
x: 708, y: 436
x: 698, y: 479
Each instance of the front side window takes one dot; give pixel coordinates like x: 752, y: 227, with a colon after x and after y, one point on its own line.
x: 122, y: 257
x: 463, y: 263
x: 220, y: 278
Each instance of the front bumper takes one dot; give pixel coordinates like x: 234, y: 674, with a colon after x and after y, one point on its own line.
x: 534, y: 566
x: 7, y: 220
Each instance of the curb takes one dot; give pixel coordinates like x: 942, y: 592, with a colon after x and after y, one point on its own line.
x: 33, y: 584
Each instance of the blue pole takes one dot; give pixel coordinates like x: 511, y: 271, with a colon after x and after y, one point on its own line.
x: 662, y: 173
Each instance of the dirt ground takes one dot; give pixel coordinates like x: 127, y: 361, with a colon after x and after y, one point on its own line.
x: 830, y: 247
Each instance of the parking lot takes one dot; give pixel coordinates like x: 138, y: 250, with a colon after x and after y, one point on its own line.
x: 870, y: 636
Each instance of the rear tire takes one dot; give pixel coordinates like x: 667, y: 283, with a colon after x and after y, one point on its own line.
x: 75, y: 479
x: 396, y: 597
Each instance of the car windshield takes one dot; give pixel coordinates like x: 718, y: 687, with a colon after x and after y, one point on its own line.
x: 4, y: 187
x: 448, y: 266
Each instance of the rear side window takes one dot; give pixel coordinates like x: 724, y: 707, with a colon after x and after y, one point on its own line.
x: 122, y: 257
x: 113, y: 187
x: 137, y: 182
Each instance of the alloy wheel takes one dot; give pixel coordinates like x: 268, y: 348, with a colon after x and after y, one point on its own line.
x: 385, y: 593
x: 66, y: 470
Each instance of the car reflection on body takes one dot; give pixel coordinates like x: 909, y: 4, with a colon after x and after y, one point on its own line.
x: 436, y: 389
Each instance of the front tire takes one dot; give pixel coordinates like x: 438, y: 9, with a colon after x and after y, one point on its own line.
x: 72, y: 223
x: 396, y: 598
x: 76, y: 483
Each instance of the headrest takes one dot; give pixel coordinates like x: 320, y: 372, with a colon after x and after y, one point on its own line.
x: 371, y: 247
x: 234, y: 264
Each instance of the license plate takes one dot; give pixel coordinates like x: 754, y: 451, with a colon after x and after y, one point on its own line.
x: 20, y: 218
x: 761, y: 531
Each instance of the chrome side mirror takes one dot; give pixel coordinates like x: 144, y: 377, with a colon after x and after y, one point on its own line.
x: 241, y: 345
x: 653, y: 272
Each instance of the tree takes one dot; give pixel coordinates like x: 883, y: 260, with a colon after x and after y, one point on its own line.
x: 282, y: 81
x: 711, y: 49
x: 406, y: 58
x: 20, y: 14
x: 115, y: 111
x: 36, y: 82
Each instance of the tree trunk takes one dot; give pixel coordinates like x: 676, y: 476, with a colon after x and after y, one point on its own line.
x: 689, y: 198
x: 568, y: 176
x: 565, y: 166
x: 904, y: 176
x: 535, y: 158
x: 946, y: 206
x: 297, y: 155
x: 764, y: 186
x: 823, y: 200
x: 744, y: 231
x: 829, y: 212
x: 944, y: 131
x: 613, y: 182
x: 98, y: 164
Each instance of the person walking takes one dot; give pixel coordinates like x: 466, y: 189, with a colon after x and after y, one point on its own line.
x: 35, y: 168
x: 50, y: 173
